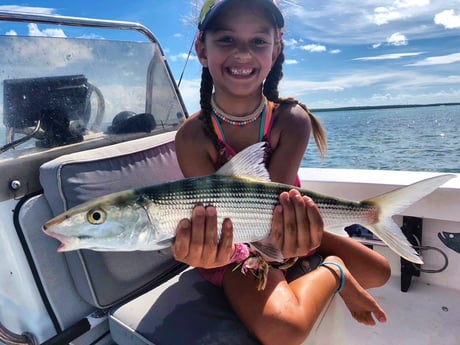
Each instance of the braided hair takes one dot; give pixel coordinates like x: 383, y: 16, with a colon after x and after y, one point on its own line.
x: 270, y: 90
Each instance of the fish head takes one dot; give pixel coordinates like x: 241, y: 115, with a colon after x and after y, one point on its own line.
x: 104, y: 224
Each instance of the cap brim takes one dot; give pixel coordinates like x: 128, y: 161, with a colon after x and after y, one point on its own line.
x: 277, y: 15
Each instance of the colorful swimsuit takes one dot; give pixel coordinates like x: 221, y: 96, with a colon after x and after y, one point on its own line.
x: 266, y: 124
x: 216, y: 275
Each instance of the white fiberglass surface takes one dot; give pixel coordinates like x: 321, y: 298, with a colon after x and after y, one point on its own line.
x: 425, y: 315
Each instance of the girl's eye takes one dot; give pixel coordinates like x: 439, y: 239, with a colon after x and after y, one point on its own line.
x: 259, y: 42
x: 225, y: 40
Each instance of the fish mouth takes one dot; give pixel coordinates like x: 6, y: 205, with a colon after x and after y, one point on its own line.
x: 61, y: 238
x: 54, y: 221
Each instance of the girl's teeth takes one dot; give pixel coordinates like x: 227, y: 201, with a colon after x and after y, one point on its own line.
x: 241, y: 71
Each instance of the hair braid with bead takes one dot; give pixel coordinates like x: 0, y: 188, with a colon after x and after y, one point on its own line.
x: 206, y: 89
x: 270, y: 91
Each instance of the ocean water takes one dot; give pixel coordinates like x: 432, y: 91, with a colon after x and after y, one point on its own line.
x: 412, y: 139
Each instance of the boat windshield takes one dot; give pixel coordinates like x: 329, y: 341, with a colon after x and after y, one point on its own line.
x: 59, y: 91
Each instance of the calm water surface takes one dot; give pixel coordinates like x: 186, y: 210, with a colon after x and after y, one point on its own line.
x: 414, y: 139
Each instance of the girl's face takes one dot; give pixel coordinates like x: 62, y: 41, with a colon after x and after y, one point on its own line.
x: 239, y: 51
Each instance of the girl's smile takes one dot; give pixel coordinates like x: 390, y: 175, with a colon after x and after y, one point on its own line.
x: 239, y: 51
x: 241, y: 72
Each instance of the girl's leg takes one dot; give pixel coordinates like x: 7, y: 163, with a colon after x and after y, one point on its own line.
x: 368, y: 267
x: 289, y: 311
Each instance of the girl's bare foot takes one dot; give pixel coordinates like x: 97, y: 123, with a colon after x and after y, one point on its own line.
x: 361, y: 304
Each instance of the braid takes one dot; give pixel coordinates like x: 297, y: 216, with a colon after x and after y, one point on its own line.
x: 206, y: 89
x: 270, y: 91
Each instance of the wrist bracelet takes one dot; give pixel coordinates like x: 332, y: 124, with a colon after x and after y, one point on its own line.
x: 342, y: 273
x: 241, y: 253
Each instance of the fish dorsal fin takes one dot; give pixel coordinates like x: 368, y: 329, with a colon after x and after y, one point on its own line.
x: 248, y: 163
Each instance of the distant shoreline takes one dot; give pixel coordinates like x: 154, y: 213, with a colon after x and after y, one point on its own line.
x: 383, y: 107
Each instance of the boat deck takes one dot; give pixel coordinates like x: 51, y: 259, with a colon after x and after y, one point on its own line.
x: 425, y: 315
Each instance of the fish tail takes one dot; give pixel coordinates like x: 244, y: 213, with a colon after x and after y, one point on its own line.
x: 395, y: 202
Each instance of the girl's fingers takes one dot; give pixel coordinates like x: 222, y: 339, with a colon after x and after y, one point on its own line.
x: 181, y: 245
x: 290, y: 225
x: 297, y: 225
x: 210, y: 239
x: 226, y: 247
x: 277, y: 230
x: 316, y: 223
x: 303, y: 241
x: 198, y: 224
x: 197, y: 243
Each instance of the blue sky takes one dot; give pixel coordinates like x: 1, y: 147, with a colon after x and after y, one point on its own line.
x: 339, y: 53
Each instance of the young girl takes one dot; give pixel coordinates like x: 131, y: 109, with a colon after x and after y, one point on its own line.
x: 240, y: 48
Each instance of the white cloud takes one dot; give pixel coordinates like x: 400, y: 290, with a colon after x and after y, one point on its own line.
x: 49, y: 54
x: 190, y: 94
x: 338, y: 84
x: 383, y: 15
x: 411, y: 3
x: 314, y: 48
x: 27, y: 9
x: 388, y: 56
x: 92, y: 36
x: 291, y: 62
x: 35, y: 31
x: 335, y: 51
x: 342, y: 22
x: 397, y: 39
x: 398, y: 87
x: 182, y: 56
x: 438, y: 60
x: 400, y: 9
x: 290, y: 42
x: 448, y: 19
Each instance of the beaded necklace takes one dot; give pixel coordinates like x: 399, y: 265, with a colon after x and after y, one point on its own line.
x: 239, y: 121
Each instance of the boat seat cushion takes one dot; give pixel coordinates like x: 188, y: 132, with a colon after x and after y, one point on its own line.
x: 187, y: 310
x: 51, y: 267
x: 106, y: 278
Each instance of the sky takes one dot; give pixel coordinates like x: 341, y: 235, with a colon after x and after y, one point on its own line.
x: 338, y: 53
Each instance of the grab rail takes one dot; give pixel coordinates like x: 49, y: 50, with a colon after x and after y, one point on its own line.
x: 76, y: 21
x: 9, y: 338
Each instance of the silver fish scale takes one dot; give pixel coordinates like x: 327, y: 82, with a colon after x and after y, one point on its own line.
x: 247, y: 203
x: 345, y: 213
x: 249, y: 208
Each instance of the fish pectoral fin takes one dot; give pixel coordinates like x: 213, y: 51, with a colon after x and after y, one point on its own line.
x: 268, y: 251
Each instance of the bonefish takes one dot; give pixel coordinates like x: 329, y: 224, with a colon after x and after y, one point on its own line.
x: 146, y: 218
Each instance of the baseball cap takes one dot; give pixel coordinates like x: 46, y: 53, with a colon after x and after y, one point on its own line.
x: 211, y: 8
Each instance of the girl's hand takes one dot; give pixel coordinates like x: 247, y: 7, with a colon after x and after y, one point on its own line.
x: 197, y: 243
x: 297, y: 226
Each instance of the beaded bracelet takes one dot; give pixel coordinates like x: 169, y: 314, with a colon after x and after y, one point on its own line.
x: 342, y: 274
x: 241, y: 253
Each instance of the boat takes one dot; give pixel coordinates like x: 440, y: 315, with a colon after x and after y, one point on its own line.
x: 85, y: 116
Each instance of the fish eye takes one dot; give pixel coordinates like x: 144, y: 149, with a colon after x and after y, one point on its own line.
x: 96, y: 216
